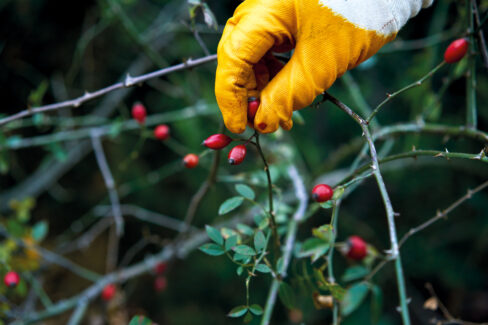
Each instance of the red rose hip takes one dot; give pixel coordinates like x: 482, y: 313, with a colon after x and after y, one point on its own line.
x: 237, y: 154
x: 160, y: 268
x: 160, y: 283
x: 161, y: 132
x: 108, y: 292
x: 190, y: 160
x: 252, y: 108
x: 456, y: 50
x: 217, y: 141
x: 139, y: 113
x: 11, y: 279
x: 357, y: 248
x: 322, y: 193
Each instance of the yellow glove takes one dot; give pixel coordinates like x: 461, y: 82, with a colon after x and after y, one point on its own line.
x: 329, y: 37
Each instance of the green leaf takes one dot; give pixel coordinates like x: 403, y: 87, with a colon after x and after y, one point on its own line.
x: 327, y: 205
x: 59, y: 152
x: 245, y: 229
x: 261, y: 221
x: 279, y: 265
x: 212, y: 249
x: 376, y: 304
x: 259, y: 241
x: 239, y: 270
x: 338, y: 193
x: 15, y: 228
x: 242, y: 258
x: 230, y: 242
x: 263, y: 268
x: 354, y: 273
x: 353, y: 298
x: 230, y: 204
x: 140, y: 320
x: 36, y: 96
x: 39, y: 231
x: 237, y: 311
x: 244, y: 250
x: 336, y: 291
x: 214, y: 235
x: 286, y: 294
x: 315, y: 248
x: 245, y: 191
x: 248, y: 318
x: 324, y: 232
x: 256, y: 309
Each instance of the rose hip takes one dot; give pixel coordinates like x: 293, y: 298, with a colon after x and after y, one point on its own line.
x: 217, y: 141
x: 322, y: 193
x: 11, y: 279
x: 357, y: 248
x: 190, y: 160
x: 456, y: 50
x: 237, y: 154
x: 108, y: 292
x: 252, y: 108
x: 160, y: 283
x: 160, y: 268
x: 139, y: 113
x: 161, y: 132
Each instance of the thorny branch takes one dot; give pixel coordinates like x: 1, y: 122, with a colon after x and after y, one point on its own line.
x: 128, y: 82
x: 394, y: 252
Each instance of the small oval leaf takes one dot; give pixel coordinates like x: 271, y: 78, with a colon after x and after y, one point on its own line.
x: 244, y: 250
x: 237, y: 311
x: 212, y: 249
x: 245, y: 191
x: 256, y: 309
x: 214, y: 235
x: 230, y: 204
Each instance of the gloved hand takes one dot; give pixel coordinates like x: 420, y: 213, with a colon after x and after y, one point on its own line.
x: 329, y: 37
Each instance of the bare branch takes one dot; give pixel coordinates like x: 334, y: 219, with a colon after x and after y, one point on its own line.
x: 128, y: 82
x: 109, y: 181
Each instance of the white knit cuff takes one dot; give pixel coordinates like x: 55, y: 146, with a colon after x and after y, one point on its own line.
x: 403, y: 10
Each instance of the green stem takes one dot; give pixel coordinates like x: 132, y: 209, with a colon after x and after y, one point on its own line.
x: 270, y: 194
x: 330, y: 257
x: 471, y: 110
x: 395, y: 252
x: 410, y: 86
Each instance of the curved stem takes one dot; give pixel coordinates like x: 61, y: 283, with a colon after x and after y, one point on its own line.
x: 270, y: 193
x: 396, y: 93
